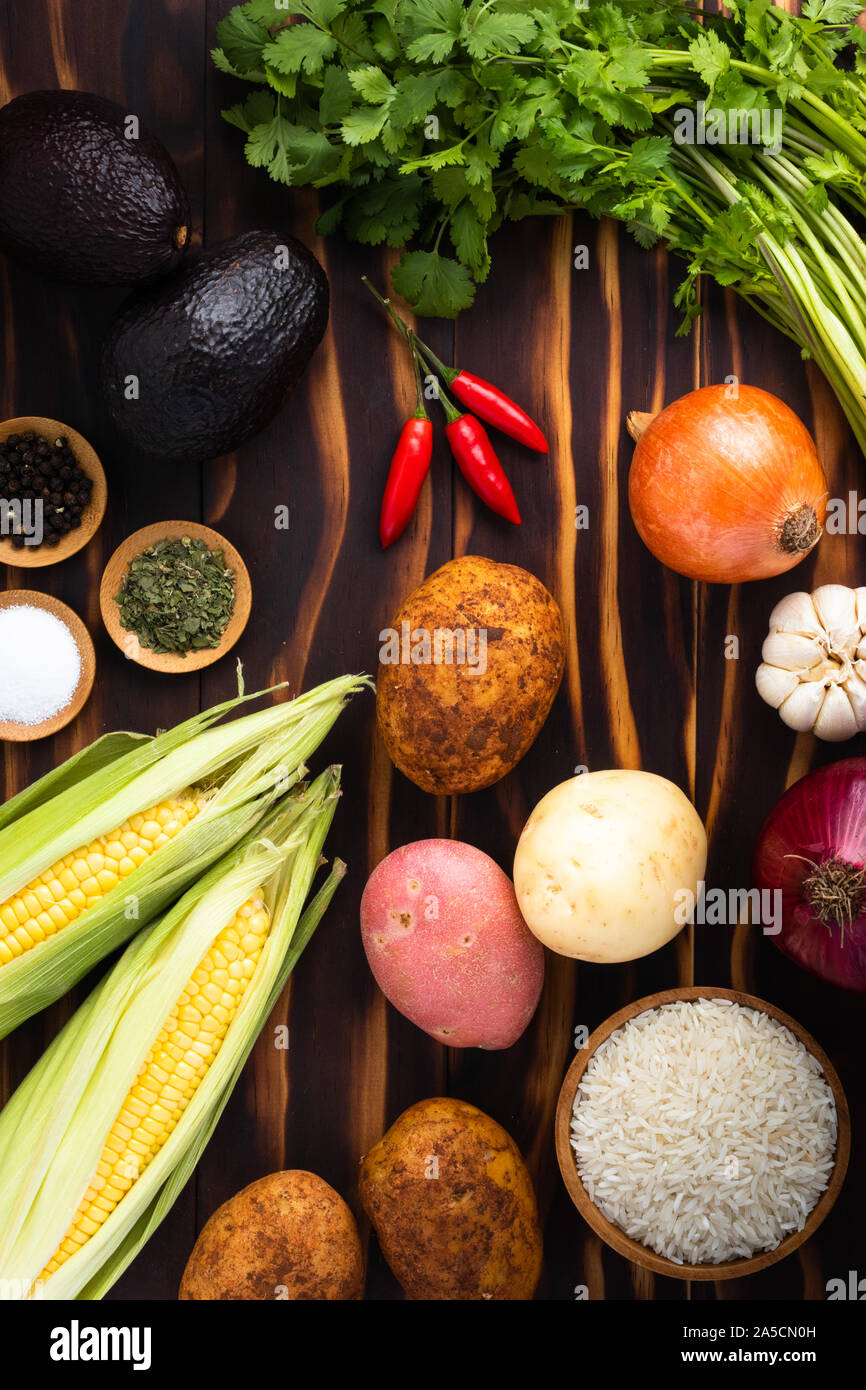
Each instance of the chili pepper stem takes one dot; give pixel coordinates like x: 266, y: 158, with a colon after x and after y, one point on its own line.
x: 389, y: 308
x: 451, y: 412
x: 447, y: 373
x: 420, y: 407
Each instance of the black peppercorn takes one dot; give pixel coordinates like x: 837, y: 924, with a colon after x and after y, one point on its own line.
x: 44, y: 471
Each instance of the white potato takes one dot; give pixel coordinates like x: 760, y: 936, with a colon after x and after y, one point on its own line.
x: 603, y: 862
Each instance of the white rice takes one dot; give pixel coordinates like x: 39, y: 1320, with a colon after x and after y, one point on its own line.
x: 704, y: 1130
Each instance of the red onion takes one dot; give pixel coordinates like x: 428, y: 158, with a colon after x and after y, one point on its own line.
x: 813, y: 847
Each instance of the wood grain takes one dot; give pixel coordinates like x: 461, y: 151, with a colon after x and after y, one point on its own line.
x: 647, y: 682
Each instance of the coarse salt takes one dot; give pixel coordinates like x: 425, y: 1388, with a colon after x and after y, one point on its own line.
x: 40, y: 665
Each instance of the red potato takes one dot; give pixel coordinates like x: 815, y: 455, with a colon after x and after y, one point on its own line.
x: 448, y: 946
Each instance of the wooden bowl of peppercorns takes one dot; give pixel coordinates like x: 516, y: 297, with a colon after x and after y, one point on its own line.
x: 44, y: 461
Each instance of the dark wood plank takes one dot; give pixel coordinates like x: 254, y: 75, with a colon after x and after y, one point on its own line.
x: 748, y: 757
x: 322, y: 592
x: 560, y: 340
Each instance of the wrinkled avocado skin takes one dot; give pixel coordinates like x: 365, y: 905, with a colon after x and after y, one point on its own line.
x: 81, y: 202
x: 215, y: 348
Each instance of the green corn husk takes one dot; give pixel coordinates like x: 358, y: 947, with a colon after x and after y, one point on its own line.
x: 246, y: 764
x: 54, y: 1127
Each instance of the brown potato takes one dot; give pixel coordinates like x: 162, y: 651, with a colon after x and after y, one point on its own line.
x: 453, y: 1205
x: 451, y: 728
x: 287, y: 1236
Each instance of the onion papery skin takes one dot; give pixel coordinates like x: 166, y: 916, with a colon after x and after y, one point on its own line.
x: 714, y: 479
x: 823, y: 816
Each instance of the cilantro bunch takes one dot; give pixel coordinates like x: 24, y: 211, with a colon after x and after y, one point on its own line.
x: 427, y: 123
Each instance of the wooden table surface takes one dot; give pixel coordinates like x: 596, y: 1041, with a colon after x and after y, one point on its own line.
x: 647, y: 683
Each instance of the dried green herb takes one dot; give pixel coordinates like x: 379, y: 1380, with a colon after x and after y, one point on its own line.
x: 177, y: 597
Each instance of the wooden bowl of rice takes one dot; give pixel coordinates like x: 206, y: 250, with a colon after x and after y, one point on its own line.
x: 614, y: 1235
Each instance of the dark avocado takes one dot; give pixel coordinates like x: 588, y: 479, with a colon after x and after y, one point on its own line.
x: 202, y: 361
x: 81, y: 201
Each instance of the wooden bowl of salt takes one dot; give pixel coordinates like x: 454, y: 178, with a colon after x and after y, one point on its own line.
x: 47, y: 665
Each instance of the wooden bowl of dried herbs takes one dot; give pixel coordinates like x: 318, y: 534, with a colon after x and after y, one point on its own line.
x: 175, y: 596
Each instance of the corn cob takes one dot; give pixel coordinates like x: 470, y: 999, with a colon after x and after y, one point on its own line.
x: 63, y: 904
x: 81, y: 879
x: 100, y: 1138
x: 187, y: 1044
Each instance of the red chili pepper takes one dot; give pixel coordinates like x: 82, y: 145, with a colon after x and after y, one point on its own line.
x: 475, y: 455
x: 489, y: 402
x: 409, y: 467
x: 497, y: 409
x: 478, y: 463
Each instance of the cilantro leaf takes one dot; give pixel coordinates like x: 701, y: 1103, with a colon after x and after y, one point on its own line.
x: 372, y: 84
x: 337, y: 96
x: 481, y: 160
x: 300, y: 48
x: 434, y: 285
x: 321, y: 12
x: 436, y: 159
x: 363, y: 124
x: 308, y: 155
x: 293, y: 154
x: 529, y: 204
x: 257, y: 108
x: 353, y: 39
x: 468, y: 239
x: 454, y: 88
x: 832, y: 11
x: 450, y: 186
x: 388, y: 211
x: 415, y: 99
x: 646, y: 157
x: 241, y: 41
x: 433, y: 28
x: 328, y: 221
x: 221, y: 62
x: 385, y: 41
x: 494, y: 32
x: 286, y: 83
x: 711, y: 58
x: 817, y: 197
x: 264, y: 142
x: 627, y: 66
x: 646, y: 237
x: 832, y: 167
x: 536, y: 163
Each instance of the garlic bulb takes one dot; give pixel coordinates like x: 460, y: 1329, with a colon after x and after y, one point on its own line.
x: 814, y: 662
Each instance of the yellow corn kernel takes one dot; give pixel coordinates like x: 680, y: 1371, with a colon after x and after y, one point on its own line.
x: 81, y: 879
x: 174, y: 1068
